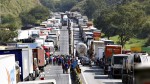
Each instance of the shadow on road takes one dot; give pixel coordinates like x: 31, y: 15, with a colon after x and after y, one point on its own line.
x: 101, y: 77
x: 92, y: 71
x: 112, y: 83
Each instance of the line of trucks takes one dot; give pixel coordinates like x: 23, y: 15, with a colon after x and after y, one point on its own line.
x: 23, y: 60
x: 130, y: 66
x: 127, y: 64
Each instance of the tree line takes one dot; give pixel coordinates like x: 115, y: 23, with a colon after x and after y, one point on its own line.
x: 10, y: 23
x: 127, y: 19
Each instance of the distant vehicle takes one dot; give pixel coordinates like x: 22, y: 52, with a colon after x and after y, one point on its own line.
x: 81, y: 49
x: 64, y: 19
x: 39, y: 41
x: 85, y: 61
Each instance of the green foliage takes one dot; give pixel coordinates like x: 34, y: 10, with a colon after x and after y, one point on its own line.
x: 10, y: 20
x: 35, y: 15
x: 59, y: 5
x: 125, y: 21
x: 7, y: 35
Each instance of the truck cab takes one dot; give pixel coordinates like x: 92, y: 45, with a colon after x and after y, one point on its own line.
x: 129, y: 65
x: 116, y: 64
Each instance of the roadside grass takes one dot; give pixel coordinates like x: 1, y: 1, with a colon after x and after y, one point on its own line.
x: 131, y: 42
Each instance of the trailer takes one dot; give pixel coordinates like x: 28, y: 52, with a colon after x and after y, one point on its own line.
x: 24, y: 58
x: 7, y: 69
x: 110, y: 50
x: 39, y: 54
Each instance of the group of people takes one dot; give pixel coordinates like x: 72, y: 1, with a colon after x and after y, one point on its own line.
x: 64, y: 61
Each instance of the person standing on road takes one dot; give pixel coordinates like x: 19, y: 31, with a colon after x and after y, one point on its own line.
x: 54, y: 60
x: 63, y: 67
x: 69, y: 62
x: 66, y: 67
x: 109, y: 71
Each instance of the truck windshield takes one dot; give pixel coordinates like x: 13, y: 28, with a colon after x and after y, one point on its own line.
x: 119, y: 60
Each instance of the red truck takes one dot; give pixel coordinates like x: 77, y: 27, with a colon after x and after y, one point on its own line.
x: 109, y: 51
x: 40, y: 55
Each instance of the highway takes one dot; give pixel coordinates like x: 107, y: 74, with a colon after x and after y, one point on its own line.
x: 92, y: 75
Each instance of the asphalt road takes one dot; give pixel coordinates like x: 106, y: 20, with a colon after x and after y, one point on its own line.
x: 95, y: 75
x: 64, y: 41
x: 56, y: 72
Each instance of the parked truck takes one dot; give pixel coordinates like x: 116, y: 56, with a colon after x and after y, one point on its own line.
x: 116, y: 64
x: 7, y: 69
x: 24, y: 58
x: 39, y: 41
x: 81, y: 49
x: 110, y: 50
x: 142, y: 73
x: 41, y: 59
x: 130, y: 64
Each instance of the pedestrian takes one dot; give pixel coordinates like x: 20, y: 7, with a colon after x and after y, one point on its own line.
x: 69, y: 62
x: 63, y: 67
x: 66, y: 67
x: 54, y: 60
x: 109, y: 71
x: 42, y: 74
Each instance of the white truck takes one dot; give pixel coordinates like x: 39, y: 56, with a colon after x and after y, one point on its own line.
x: 39, y: 41
x: 51, y: 46
x: 96, y: 45
x: 24, y: 59
x: 7, y: 69
x: 100, y: 52
x: 23, y: 34
x: 81, y: 49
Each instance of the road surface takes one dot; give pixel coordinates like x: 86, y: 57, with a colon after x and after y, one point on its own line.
x: 95, y: 75
x: 56, y: 72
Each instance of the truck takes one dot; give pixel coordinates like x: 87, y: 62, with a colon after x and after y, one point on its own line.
x: 23, y: 45
x: 100, y: 54
x: 24, y: 59
x: 39, y: 41
x: 39, y: 54
x: 7, y: 69
x: 81, y: 49
x: 130, y: 64
x: 51, y: 46
x: 142, y: 73
x: 116, y: 64
x: 108, y: 53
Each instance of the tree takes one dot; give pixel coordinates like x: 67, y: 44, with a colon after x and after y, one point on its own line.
x: 127, y: 18
x: 35, y: 16
x: 103, y: 22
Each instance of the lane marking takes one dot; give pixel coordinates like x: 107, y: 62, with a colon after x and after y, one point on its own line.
x: 82, y: 73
